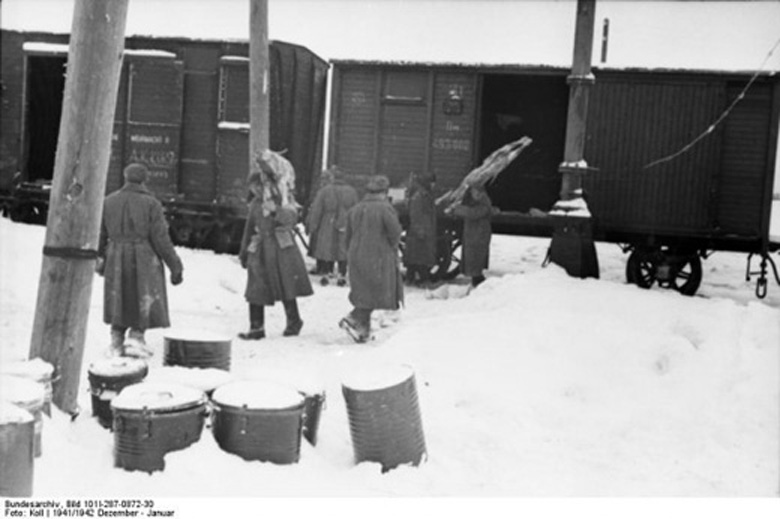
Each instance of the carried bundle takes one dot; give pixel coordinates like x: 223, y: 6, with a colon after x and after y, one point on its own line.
x: 494, y: 164
x: 278, y: 177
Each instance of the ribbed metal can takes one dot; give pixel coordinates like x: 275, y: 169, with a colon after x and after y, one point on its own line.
x: 197, y: 350
x: 107, y: 378
x: 384, y: 417
x: 17, y: 451
x: 153, y: 419
x: 30, y: 396
x: 37, y: 370
x: 258, y: 420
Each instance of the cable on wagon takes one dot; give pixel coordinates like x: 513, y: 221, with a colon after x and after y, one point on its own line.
x: 720, y: 119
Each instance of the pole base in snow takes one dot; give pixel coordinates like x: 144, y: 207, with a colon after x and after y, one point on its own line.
x: 573, y: 248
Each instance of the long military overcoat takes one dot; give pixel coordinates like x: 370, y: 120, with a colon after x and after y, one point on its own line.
x: 275, y: 266
x: 135, y: 243
x: 327, y: 220
x: 373, y: 235
x: 476, y: 234
x: 421, y: 235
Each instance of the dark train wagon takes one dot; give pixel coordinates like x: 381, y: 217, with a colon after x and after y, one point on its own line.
x: 394, y: 119
x: 182, y: 109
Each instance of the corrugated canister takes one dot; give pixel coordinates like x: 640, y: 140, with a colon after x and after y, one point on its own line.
x: 35, y: 369
x: 258, y: 420
x: 17, y: 451
x: 28, y: 395
x: 197, y: 350
x: 204, y: 379
x: 107, y: 378
x: 384, y: 416
x: 153, y: 419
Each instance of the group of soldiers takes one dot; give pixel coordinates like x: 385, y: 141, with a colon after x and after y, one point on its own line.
x: 354, y: 241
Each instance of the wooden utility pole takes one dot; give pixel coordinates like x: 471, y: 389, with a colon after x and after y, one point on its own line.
x: 78, y: 188
x: 258, y: 80
x: 572, y: 244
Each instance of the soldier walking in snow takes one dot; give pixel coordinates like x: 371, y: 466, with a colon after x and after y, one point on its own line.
x: 373, y: 235
x: 275, y: 267
x: 134, y: 245
x: 420, y: 246
x: 476, y: 210
x: 327, y: 224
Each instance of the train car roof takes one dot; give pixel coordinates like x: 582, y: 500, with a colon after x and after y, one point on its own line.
x: 735, y: 36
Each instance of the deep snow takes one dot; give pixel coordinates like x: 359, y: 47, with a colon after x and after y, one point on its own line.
x: 534, y: 384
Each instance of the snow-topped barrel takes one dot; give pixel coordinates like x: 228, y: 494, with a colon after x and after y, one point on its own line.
x: 107, y: 377
x: 259, y: 420
x: 197, y: 349
x: 153, y: 419
x: 17, y: 450
x: 384, y: 415
x: 204, y: 379
x: 37, y: 370
x: 30, y: 396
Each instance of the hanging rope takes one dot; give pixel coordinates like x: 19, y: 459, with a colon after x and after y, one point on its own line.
x: 725, y: 114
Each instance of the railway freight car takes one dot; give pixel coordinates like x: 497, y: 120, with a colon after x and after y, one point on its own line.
x: 182, y: 110
x: 711, y: 190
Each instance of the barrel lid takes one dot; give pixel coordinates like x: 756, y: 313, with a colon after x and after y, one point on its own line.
x: 12, y: 413
x: 305, y: 380
x: 158, y: 396
x: 36, y: 369
x: 21, y: 391
x: 257, y: 394
x: 188, y: 335
x: 371, y: 377
x: 117, y: 366
x: 205, y: 379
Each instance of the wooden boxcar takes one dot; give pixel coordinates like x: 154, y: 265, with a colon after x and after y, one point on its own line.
x: 395, y: 119
x: 182, y: 109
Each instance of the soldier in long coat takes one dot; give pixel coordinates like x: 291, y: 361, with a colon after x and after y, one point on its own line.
x: 327, y: 224
x: 476, y: 210
x: 275, y: 266
x: 134, y: 245
x: 420, y: 250
x: 373, y: 236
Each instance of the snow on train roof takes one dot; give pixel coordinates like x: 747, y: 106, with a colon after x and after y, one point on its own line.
x: 656, y: 34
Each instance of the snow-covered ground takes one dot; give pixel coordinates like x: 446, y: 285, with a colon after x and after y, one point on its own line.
x: 534, y: 385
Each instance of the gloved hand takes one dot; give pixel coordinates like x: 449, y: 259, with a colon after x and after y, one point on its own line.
x: 177, y: 278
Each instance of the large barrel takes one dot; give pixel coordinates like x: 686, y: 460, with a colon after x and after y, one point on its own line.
x: 153, y: 419
x: 107, y: 378
x: 204, y: 379
x: 17, y: 451
x: 197, y: 350
x: 258, y: 420
x: 384, y: 416
x: 37, y: 370
x: 28, y: 395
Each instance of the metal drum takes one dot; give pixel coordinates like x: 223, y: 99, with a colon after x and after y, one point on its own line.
x: 30, y: 396
x: 204, y: 379
x: 17, y: 451
x: 197, y: 350
x: 153, y: 419
x: 107, y: 378
x: 37, y: 370
x: 384, y: 416
x: 258, y: 420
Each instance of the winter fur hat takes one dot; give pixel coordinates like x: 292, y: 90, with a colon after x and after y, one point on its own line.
x: 378, y: 184
x: 136, y: 173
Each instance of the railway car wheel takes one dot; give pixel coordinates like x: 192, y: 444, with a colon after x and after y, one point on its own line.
x: 677, y: 270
